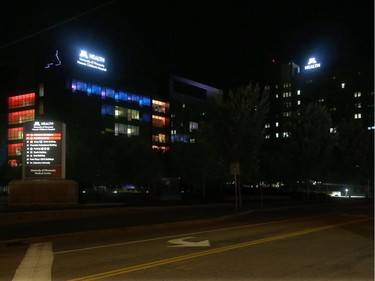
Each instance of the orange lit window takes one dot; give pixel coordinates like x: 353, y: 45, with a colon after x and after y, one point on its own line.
x: 159, y: 121
x: 21, y: 101
x: 15, y: 133
x: 15, y: 149
x: 20, y: 117
x: 159, y: 106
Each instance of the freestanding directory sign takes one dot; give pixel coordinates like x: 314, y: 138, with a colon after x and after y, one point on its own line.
x: 43, y: 174
x: 44, y: 150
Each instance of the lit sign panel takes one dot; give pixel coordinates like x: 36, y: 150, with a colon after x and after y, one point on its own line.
x: 44, y: 150
x: 312, y: 63
x: 91, y: 60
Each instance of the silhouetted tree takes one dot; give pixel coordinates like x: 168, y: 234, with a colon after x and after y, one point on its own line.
x: 353, y: 153
x: 241, y: 127
x: 310, y: 143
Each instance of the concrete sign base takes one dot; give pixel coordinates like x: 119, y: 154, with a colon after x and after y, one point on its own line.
x: 42, y: 192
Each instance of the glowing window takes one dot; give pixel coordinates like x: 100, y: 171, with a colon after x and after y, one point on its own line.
x: 21, y: 101
x: 96, y: 89
x: 159, y: 121
x: 20, y: 117
x: 122, y: 96
x: 108, y: 109
x: 15, y: 133
x: 81, y: 86
x: 193, y: 126
x: 357, y: 116
x: 267, y: 125
x: 144, y: 101
x: 159, y: 138
x: 125, y: 129
x: 159, y: 106
x: 109, y: 93
x: 15, y: 149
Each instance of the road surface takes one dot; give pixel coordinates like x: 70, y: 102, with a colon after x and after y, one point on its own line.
x: 307, y: 243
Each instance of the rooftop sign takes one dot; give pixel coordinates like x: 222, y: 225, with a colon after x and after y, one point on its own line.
x: 91, y: 60
x: 312, y: 63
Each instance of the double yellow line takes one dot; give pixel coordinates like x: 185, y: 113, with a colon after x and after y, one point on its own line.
x: 210, y: 252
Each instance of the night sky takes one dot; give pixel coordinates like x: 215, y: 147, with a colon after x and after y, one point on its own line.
x: 221, y: 43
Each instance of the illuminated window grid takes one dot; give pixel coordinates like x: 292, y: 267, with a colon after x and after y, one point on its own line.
x: 159, y: 106
x: 21, y: 117
x: 15, y: 133
x: 21, y: 101
x: 161, y: 138
x: 15, y: 149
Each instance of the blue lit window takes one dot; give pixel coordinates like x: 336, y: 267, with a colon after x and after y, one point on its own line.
x: 96, y: 89
x: 144, y: 101
x: 146, y: 117
x: 122, y: 96
x: 108, y: 109
x: 89, y: 90
x: 135, y: 98
x: 110, y: 93
x: 81, y: 86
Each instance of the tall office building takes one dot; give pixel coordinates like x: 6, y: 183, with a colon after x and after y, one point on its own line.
x: 347, y: 93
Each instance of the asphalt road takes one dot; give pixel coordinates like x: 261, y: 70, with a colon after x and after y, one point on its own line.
x: 331, y: 242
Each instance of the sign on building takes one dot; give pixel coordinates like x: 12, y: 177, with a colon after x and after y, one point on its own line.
x: 312, y: 63
x: 91, y: 60
x: 44, y: 150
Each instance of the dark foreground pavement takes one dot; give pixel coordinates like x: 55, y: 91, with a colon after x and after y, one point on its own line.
x: 17, y: 224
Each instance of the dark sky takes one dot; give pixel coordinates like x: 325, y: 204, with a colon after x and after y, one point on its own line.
x: 222, y: 43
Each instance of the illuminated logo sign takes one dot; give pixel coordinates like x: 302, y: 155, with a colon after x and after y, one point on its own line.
x: 91, y: 60
x: 312, y: 63
x: 57, y: 61
x: 44, y: 153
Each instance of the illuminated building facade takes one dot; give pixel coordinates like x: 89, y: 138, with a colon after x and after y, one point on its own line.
x: 80, y: 92
x: 347, y: 94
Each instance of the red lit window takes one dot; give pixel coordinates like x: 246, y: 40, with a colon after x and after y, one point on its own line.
x: 159, y: 121
x: 20, y: 117
x: 13, y: 163
x: 21, y: 101
x: 15, y: 133
x: 15, y: 149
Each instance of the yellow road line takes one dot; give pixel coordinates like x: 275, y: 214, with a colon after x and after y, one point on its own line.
x: 209, y: 252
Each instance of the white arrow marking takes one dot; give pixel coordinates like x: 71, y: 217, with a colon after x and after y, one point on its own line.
x: 182, y: 243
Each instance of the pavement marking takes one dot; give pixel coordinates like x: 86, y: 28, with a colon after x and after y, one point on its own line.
x: 210, y: 252
x: 37, y: 263
x: 187, y: 234
x: 180, y: 242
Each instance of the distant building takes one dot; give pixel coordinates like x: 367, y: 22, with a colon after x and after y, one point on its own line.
x: 190, y: 102
x: 347, y: 94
